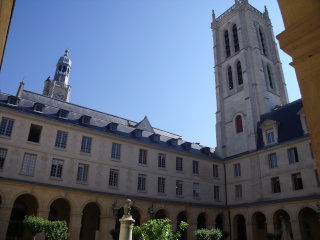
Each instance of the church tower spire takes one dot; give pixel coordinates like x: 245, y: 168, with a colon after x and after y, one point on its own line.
x: 248, y: 76
x: 58, y: 88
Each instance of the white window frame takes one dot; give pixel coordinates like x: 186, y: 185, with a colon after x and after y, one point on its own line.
x: 162, y: 160
x: 82, y: 174
x: 116, y: 151
x: 237, y: 170
x: 86, y: 144
x: 215, y: 171
x: 143, y: 156
x: 28, y: 164
x: 238, y: 191
x: 113, y: 178
x: 293, y: 155
x: 179, y: 188
x: 179, y: 164
x: 161, y: 185
x: 142, y: 180
x: 216, y: 193
x: 6, y: 126
x: 56, y: 168
x: 273, y: 161
x: 195, y: 167
x: 61, y: 139
x: 196, y: 190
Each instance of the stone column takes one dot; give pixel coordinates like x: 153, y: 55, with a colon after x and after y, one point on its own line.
x: 126, y: 226
x: 5, y: 213
x: 270, y: 227
x: 249, y: 230
x: 104, y: 228
x: 192, y: 227
x: 295, y: 226
x: 174, y: 226
x: 75, y: 226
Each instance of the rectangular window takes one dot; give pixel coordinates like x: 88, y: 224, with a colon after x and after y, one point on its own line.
x: 179, y: 164
x: 195, y: 168
x: 270, y: 136
x: 6, y: 127
x: 161, y: 185
x: 142, y: 182
x: 196, y: 190
x: 56, y: 168
x: 297, y: 181
x: 162, y: 160
x: 86, y: 144
x: 179, y: 191
x: 238, y: 189
x: 116, y: 149
x: 82, y: 175
x: 215, y: 171
x: 34, y: 133
x: 3, y: 154
x: 143, y: 156
x: 28, y: 164
x: 113, y: 178
x: 216, y: 193
x: 61, y: 139
x: 237, y: 170
x: 317, y: 177
x: 275, y: 185
x: 273, y: 162
x: 293, y: 155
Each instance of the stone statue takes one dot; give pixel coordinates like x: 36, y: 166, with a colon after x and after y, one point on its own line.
x: 127, y: 208
x: 284, y: 229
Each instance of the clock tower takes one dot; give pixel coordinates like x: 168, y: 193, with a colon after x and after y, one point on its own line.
x: 58, y: 88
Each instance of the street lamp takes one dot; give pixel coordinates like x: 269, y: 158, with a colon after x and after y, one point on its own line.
x: 152, y: 214
x: 115, y: 209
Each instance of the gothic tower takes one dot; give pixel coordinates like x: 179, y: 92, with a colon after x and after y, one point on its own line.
x: 248, y: 75
x: 58, y: 88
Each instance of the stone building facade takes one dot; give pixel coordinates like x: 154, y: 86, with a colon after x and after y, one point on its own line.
x: 61, y: 161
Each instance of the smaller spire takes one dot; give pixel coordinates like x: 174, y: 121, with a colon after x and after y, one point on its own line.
x: 66, y: 53
x: 213, y: 16
x: 266, y: 13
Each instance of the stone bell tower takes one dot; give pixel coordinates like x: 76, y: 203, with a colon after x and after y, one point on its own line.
x: 248, y: 75
x: 58, y: 88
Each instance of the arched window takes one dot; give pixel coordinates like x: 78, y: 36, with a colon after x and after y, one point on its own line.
x: 262, y: 43
x: 235, y: 38
x: 227, y: 43
x: 230, y: 78
x: 238, y: 122
x: 239, y: 73
x: 269, y: 77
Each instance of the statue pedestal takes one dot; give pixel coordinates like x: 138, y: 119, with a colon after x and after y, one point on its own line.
x: 126, y: 226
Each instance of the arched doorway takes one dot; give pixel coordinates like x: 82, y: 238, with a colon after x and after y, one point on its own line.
x: 240, y: 230
x: 259, y: 226
x: 309, y: 224
x: 277, y: 221
x: 182, y: 217
x: 60, y: 210
x: 24, y: 205
x: 161, y: 214
x: 90, y: 222
x: 219, y: 222
x: 201, y: 221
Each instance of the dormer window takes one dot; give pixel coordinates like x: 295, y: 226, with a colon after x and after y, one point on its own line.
x: 63, y: 113
x: 206, y: 150
x: 12, y: 100
x: 303, y: 120
x: 137, y: 133
x: 187, y: 145
x: 85, y: 119
x: 269, y: 132
x: 173, y: 142
x: 112, y: 126
x: 38, y: 107
x: 155, y: 137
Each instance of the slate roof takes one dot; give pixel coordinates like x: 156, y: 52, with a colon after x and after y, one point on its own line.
x: 289, y: 127
x: 99, y: 121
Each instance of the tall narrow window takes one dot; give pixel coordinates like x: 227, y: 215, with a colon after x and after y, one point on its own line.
x: 143, y: 156
x: 179, y: 190
x: 86, y: 144
x: 239, y: 73
x: 142, y: 182
x: 113, y: 178
x: 269, y: 77
x: 216, y: 193
x: 273, y: 162
x: 227, y: 43
x: 34, y: 133
x: 239, y: 126
x: 237, y: 170
x: 6, y: 127
x: 162, y: 160
x: 230, y: 80
x: 56, y: 168
x: 3, y: 154
x: 28, y: 164
x: 275, y: 185
x: 235, y: 38
x: 215, y: 170
x: 196, y: 190
x: 161, y: 185
x: 179, y: 166
x: 61, y: 139
x: 262, y: 42
x: 238, y: 189
x: 195, y: 169
x: 270, y: 136
x: 297, y: 181
x: 116, y: 149
x: 293, y: 155
x: 82, y: 175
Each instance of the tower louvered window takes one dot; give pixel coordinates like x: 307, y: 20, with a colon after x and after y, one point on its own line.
x: 227, y: 43
x: 262, y: 43
x: 269, y: 77
x: 239, y: 73
x: 230, y: 78
x: 235, y: 38
x: 239, y: 126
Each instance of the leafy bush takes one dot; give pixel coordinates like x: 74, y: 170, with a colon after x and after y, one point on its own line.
x: 56, y: 230
x: 206, y: 234
x: 158, y: 229
x: 34, y: 224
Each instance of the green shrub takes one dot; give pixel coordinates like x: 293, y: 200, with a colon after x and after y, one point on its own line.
x: 34, y: 224
x: 56, y: 230
x: 206, y: 234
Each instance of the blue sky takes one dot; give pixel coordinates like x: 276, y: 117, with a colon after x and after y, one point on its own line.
x: 130, y: 58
